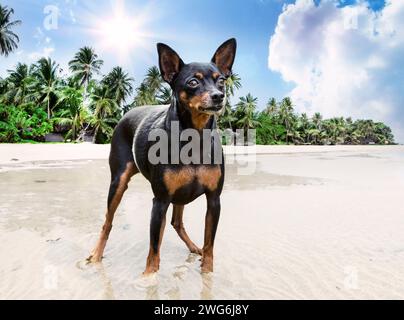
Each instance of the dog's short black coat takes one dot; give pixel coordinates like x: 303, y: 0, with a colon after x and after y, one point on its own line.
x: 198, y: 97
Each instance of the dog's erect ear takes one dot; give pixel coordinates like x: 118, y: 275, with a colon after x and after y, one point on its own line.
x: 170, y: 62
x: 224, y: 56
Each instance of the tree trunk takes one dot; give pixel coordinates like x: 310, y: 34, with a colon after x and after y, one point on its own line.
x: 95, y: 135
x: 48, y: 108
x: 85, y: 91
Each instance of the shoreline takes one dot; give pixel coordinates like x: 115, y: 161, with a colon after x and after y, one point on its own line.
x: 305, y: 223
x: 20, y: 153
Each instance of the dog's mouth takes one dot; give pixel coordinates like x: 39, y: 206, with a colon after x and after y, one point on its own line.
x: 212, y: 109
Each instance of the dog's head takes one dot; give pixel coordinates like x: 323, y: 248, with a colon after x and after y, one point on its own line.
x: 200, y: 87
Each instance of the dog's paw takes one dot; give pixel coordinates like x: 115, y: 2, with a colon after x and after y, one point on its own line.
x: 196, y: 250
x: 94, y: 258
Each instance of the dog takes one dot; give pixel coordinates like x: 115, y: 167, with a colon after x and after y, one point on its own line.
x: 198, y: 98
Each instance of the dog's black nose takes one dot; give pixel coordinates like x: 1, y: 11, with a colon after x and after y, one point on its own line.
x: 217, y: 97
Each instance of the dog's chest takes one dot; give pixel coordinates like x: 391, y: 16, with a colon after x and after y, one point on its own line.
x: 191, y: 179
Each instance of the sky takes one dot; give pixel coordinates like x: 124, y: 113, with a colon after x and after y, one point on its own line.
x: 338, y: 57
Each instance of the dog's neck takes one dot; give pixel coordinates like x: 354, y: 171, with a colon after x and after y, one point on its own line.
x: 186, y: 119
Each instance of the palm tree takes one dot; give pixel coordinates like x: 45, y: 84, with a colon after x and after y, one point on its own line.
x: 144, y: 96
x: 303, y: 127
x: 383, y: 134
x: 19, y: 82
x: 233, y: 82
x: 335, y: 129
x: 366, y: 129
x: 164, y: 95
x: 103, y: 109
x: 119, y: 84
x: 153, y: 80
x: 148, y: 91
x: 314, y: 135
x: 317, y: 120
x: 84, y: 64
x: 272, y: 107
x: 227, y: 119
x: 47, y: 81
x: 3, y: 86
x: 286, y: 116
x: 73, y: 114
x: 8, y: 39
x: 245, y: 113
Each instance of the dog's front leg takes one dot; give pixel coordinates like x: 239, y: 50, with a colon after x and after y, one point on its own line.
x: 211, y: 221
x: 157, y: 224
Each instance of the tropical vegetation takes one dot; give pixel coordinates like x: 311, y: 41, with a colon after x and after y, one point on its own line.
x: 84, y: 104
x: 8, y: 39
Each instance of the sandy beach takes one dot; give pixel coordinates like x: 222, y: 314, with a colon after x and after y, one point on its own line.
x: 308, y: 222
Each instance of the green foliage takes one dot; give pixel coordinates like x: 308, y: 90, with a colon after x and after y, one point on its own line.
x: 23, y: 123
x: 119, y: 85
x: 278, y: 123
x: 38, y: 99
x: 8, y: 39
x: 84, y: 64
x: 152, y: 90
x: 269, y: 132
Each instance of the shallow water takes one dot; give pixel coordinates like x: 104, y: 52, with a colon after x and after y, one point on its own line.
x: 298, y: 227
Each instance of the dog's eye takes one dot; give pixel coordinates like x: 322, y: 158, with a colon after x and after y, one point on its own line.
x: 193, y: 83
x: 221, y: 82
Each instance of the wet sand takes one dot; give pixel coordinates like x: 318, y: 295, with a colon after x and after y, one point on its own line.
x: 309, y: 223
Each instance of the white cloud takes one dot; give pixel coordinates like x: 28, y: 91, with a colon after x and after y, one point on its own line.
x: 39, y: 35
x: 46, y: 52
x: 343, y: 61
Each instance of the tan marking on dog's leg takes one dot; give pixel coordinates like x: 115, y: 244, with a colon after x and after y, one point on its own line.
x: 177, y: 223
x: 96, y: 255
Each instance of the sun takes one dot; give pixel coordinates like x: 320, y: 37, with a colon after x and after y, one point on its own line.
x: 121, y: 32
x: 118, y: 33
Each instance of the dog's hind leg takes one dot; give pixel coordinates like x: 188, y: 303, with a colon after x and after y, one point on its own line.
x: 122, y: 169
x: 177, y: 223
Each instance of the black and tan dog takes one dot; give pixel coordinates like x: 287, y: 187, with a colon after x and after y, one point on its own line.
x: 198, y: 98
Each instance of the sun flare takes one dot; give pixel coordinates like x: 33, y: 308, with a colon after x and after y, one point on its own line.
x: 118, y: 33
x: 121, y: 31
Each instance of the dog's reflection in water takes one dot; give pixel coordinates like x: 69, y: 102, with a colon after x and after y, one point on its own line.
x: 108, y: 290
x: 108, y: 293
x: 207, y: 284
x: 150, y: 284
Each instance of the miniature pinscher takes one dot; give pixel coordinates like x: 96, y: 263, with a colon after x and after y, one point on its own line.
x: 198, y: 99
